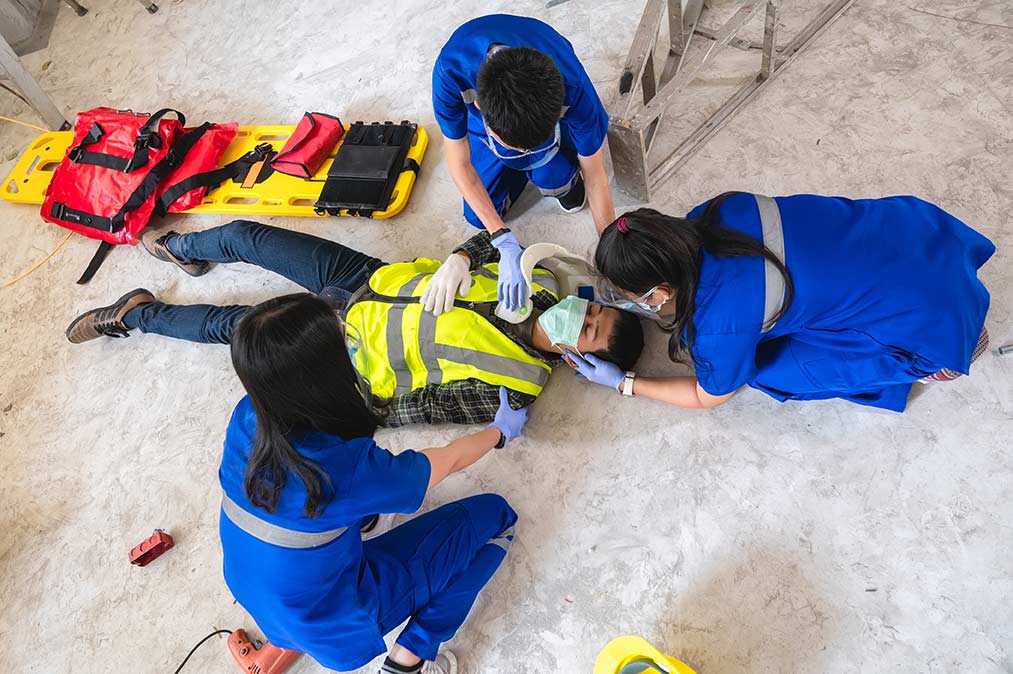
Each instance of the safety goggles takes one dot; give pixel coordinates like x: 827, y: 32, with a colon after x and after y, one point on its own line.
x: 494, y: 145
x: 614, y: 297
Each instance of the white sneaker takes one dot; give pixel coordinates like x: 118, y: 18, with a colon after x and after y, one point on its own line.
x: 384, y: 524
x: 445, y: 663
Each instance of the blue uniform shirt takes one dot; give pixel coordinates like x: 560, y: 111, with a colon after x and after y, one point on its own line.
x: 584, y: 122
x: 321, y: 601
x: 886, y: 292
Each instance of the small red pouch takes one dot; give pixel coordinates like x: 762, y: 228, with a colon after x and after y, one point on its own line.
x: 308, y: 146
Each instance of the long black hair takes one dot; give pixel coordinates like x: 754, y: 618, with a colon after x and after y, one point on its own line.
x: 655, y: 248
x: 290, y: 354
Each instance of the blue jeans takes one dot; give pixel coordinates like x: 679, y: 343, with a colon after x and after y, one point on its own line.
x: 318, y: 265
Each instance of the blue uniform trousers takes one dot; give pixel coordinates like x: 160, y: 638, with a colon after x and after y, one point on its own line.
x: 430, y: 569
x: 504, y: 180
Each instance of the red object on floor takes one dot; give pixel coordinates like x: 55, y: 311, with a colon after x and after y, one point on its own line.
x: 151, y: 549
x: 267, y: 659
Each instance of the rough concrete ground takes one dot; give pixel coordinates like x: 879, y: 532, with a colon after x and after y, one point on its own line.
x: 760, y: 537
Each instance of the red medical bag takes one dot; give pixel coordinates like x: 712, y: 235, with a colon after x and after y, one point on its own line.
x: 202, y: 157
x: 118, y: 166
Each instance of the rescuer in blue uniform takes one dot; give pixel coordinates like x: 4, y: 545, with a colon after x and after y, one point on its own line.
x: 803, y: 297
x: 514, y: 105
x: 301, y: 475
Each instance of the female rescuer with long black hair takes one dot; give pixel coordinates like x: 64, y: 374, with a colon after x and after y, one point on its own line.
x: 802, y: 297
x: 302, y: 476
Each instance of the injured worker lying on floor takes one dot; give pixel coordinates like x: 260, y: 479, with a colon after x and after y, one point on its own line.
x: 420, y: 368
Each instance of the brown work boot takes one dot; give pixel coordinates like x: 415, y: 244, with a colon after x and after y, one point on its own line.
x: 155, y: 245
x: 107, y: 321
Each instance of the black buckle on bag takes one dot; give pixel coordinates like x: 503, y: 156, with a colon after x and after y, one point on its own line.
x: 263, y: 150
x: 75, y: 154
x: 57, y: 210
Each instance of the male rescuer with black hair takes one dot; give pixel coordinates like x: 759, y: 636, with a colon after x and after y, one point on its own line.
x: 514, y: 104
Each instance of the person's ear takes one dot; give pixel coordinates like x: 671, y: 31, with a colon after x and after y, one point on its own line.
x: 662, y: 295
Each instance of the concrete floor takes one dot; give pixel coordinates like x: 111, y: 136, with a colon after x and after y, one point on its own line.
x: 760, y: 537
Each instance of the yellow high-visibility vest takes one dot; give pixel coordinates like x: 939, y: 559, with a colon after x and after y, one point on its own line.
x: 405, y: 348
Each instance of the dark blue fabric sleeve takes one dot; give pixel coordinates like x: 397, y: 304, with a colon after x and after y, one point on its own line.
x: 698, y: 210
x: 385, y: 482
x: 587, y: 118
x: 448, y: 106
x: 725, y: 363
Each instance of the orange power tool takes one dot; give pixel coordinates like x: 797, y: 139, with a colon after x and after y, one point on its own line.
x: 267, y: 659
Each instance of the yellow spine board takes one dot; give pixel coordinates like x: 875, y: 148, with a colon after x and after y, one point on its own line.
x: 280, y: 194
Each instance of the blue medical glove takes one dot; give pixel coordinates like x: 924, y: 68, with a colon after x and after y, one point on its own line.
x: 512, y: 289
x: 508, y: 421
x: 594, y: 369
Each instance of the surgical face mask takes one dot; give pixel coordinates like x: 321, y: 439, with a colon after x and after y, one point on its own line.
x: 563, y: 322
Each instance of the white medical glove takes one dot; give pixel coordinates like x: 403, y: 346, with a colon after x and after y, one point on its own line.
x: 451, y: 279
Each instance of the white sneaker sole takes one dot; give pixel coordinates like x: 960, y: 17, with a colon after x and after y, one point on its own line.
x: 451, y: 661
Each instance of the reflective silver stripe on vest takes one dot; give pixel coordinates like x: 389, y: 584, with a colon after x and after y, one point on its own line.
x: 272, y: 533
x: 773, y: 239
x: 427, y: 348
x: 395, y: 339
x: 490, y: 362
x: 547, y: 281
x: 487, y: 273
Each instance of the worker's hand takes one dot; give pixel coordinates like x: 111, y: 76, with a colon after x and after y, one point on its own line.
x: 512, y: 290
x: 596, y: 369
x: 451, y: 279
x: 509, y: 421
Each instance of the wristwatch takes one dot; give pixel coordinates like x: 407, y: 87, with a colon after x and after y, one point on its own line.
x: 498, y: 233
x: 502, y: 441
x: 627, y: 384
